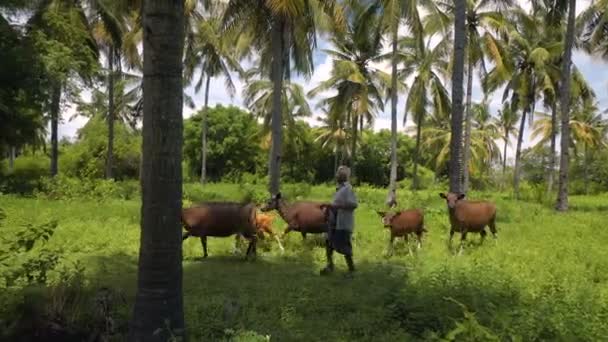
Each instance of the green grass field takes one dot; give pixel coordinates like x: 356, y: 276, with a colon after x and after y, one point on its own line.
x: 545, y: 279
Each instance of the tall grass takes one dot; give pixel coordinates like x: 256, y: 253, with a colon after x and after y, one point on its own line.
x: 545, y: 278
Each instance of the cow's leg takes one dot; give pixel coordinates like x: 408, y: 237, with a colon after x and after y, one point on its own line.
x: 329, y: 254
x: 451, y: 235
x: 492, y: 225
x: 391, y: 246
x: 303, y: 235
x: 407, y: 243
x: 276, y: 237
x: 463, y: 239
x: 483, y: 235
x: 252, y: 248
x: 419, y: 240
x: 204, y: 243
x: 237, y: 243
x: 185, y: 236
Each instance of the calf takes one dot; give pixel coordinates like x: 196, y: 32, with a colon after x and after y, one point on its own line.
x: 221, y: 219
x: 469, y: 216
x: 264, y: 227
x: 404, y: 223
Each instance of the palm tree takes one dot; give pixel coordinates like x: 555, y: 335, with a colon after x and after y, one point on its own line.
x: 258, y: 98
x: 333, y: 135
x: 484, y: 135
x: 427, y: 65
x: 284, y: 31
x: 528, y: 69
x: 393, y: 11
x: 109, y: 23
x: 158, y: 312
x: 359, y: 85
x: 485, y: 19
x: 127, y: 98
x: 213, y: 53
x: 460, y: 41
x: 437, y: 137
x: 592, y: 25
x: 587, y: 126
x: 562, y: 197
x: 64, y: 38
x: 589, y: 129
x: 506, y: 122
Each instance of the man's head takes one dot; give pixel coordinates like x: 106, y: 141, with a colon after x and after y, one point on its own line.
x: 451, y: 198
x: 342, y: 174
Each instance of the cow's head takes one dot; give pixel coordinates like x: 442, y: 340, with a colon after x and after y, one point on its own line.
x: 451, y: 198
x: 385, y: 217
x: 272, y: 203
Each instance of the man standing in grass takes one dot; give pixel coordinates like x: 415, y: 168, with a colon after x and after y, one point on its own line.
x: 341, y: 219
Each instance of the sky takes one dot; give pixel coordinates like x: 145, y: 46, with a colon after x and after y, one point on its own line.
x: 592, y: 68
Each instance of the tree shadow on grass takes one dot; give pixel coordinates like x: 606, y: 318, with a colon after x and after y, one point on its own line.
x: 287, y: 299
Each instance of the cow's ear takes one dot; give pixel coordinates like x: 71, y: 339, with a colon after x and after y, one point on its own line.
x: 442, y: 195
x: 381, y: 213
x: 461, y: 196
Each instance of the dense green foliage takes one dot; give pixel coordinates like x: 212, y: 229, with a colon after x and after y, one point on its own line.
x: 22, y: 89
x: 534, y: 284
x: 69, y: 243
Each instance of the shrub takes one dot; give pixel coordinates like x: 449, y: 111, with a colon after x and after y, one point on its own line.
x: 63, y: 187
x: 86, y: 158
x: 25, y: 177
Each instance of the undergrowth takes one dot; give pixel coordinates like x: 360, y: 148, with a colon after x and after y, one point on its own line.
x: 544, y: 279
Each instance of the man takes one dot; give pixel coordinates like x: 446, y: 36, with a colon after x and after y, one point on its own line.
x: 341, y: 221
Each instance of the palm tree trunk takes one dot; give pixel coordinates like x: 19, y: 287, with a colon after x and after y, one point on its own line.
x: 504, y: 156
x: 158, y: 313
x: 391, y: 198
x: 586, y: 169
x: 353, y: 148
x: 204, y: 133
x: 460, y: 40
x: 520, y: 138
x: 274, y: 168
x: 55, y: 102
x: 336, y: 157
x: 467, y: 129
x: 415, y: 183
x: 11, y: 159
x: 552, y: 156
x: 110, y: 155
x: 562, y: 199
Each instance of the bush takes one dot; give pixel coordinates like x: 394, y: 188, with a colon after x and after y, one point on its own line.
x: 25, y: 177
x: 63, y: 187
x: 426, y: 179
x: 194, y: 192
x: 87, y: 157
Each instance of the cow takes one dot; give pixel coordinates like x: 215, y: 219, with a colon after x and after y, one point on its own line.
x: 469, y: 216
x: 303, y: 216
x: 403, y: 223
x: 221, y: 219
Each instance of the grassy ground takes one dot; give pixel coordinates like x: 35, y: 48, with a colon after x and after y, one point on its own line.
x: 545, y: 279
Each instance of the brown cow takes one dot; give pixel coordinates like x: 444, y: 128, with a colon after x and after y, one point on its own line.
x: 469, y: 216
x: 221, y: 219
x: 303, y: 216
x: 404, y: 223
